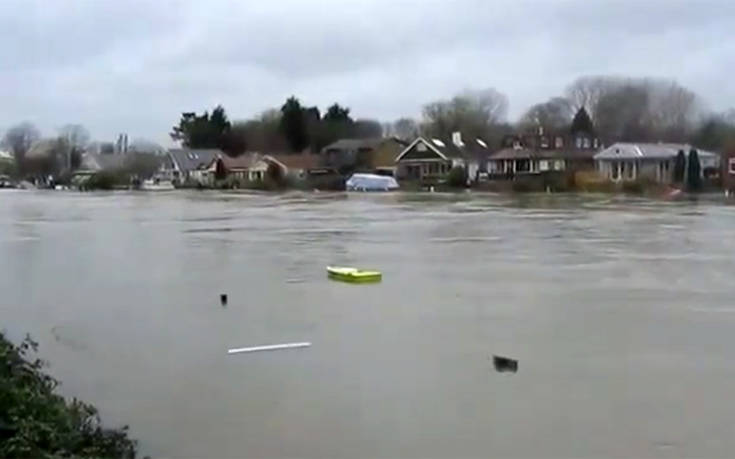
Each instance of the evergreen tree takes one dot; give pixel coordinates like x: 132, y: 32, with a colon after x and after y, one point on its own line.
x: 202, y: 131
x: 680, y: 165
x: 293, y: 124
x: 694, y: 168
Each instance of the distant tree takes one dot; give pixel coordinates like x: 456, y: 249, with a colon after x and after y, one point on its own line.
x: 19, y: 139
x: 76, y: 135
x: 365, y: 129
x: 264, y: 133
x: 680, y: 164
x: 202, y: 131
x: 141, y: 145
x: 714, y: 133
x: 556, y: 113
x: 473, y: 113
x: 337, y: 113
x: 694, y: 168
x: 582, y: 122
x: 235, y: 141
x: 406, y: 129
x: 293, y: 124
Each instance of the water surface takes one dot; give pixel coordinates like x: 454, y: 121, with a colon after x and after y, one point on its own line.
x: 619, y: 310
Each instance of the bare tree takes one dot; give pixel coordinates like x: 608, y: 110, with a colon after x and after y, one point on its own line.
x: 19, y: 139
x: 471, y: 112
x: 588, y: 90
x: 76, y: 135
x: 363, y: 129
x: 556, y: 113
x: 405, y: 128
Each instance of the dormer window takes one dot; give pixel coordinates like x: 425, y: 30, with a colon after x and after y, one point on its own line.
x: 516, y: 145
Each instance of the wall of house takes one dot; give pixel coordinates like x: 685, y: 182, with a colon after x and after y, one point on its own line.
x: 622, y: 170
x: 385, y: 155
x: 728, y: 171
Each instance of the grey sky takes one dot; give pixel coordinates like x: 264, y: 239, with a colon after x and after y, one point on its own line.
x: 133, y: 66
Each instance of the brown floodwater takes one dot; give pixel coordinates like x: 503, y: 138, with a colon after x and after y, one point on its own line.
x: 620, y: 312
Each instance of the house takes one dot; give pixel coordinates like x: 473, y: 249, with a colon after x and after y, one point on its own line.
x: 191, y: 164
x: 625, y: 161
x: 430, y: 159
x: 370, y: 155
x: 541, y: 151
x: 248, y: 167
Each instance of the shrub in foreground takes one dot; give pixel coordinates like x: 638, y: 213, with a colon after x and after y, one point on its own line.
x: 36, y: 422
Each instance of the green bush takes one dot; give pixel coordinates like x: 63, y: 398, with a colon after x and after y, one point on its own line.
x: 457, y: 177
x: 36, y: 422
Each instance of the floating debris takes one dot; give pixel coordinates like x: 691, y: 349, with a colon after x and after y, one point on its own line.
x: 355, y: 275
x: 504, y: 364
x: 223, y: 299
x: 270, y: 347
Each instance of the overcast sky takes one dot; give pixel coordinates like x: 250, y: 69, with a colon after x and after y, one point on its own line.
x: 133, y: 66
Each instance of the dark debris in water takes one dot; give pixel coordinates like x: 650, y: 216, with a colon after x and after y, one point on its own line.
x: 505, y: 364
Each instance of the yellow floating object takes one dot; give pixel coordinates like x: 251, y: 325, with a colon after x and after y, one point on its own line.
x: 346, y: 274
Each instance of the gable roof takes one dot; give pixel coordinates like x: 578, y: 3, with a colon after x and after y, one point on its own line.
x: 187, y: 160
x: 445, y: 149
x: 303, y: 161
x: 626, y: 150
x: 361, y: 144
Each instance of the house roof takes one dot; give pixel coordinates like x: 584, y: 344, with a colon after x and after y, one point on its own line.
x: 244, y: 161
x: 191, y: 159
x: 360, y: 144
x: 525, y: 153
x: 303, y: 161
x: 446, y: 149
x: 625, y: 150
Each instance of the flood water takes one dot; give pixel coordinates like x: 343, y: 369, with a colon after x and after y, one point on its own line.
x: 620, y: 311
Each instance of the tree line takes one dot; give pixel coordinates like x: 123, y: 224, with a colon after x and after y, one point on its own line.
x: 621, y: 109
x: 292, y: 128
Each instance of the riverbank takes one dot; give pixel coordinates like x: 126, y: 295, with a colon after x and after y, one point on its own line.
x: 35, y: 421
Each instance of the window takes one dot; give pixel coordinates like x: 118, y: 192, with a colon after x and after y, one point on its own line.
x: 523, y: 165
x: 559, y: 142
x: 614, y: 171
x: 731, y: 166
x: 559, y: 164
x: 579, y: 142
x: 543, y: 165
x: 420, y: 146
x: 586, y: 142
x: 596, y: 143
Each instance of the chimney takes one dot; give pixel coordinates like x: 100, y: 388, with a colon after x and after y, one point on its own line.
x: 457, y: 139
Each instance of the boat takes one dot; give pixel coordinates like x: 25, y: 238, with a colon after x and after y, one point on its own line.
x: 346, y: 274
x: 157, y: 184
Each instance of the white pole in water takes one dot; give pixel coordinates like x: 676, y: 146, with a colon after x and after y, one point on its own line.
x: 272, y: 347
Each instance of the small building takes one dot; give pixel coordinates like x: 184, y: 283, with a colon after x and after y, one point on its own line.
x: 189, y: 165
x: 371, y: 154
x: 624, y: 161
x: 430, y: 159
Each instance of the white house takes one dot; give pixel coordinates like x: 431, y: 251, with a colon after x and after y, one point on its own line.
x: 624, y: 161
